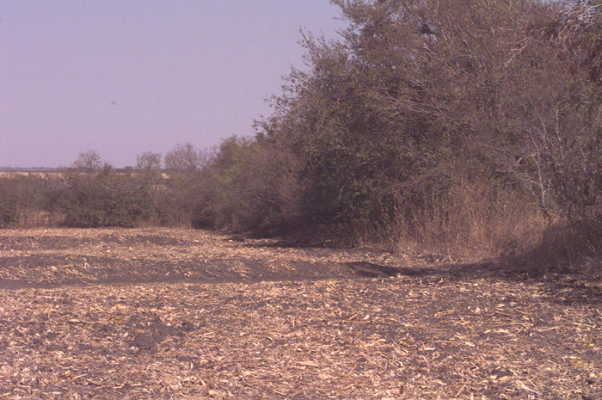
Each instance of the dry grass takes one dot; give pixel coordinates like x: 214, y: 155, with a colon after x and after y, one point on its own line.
x: 472, y: 223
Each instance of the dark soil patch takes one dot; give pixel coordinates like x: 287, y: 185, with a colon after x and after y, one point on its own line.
x: 45, y: 271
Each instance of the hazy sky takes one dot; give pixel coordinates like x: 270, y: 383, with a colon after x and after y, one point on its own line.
x: 127, y: 76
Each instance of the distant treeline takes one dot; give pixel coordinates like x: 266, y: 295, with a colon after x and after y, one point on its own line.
x: 94, y: 194
x: 33, y: 169
x: 462, y: 126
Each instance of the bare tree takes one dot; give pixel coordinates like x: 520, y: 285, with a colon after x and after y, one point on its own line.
x: 89, y: 161
x: 149, y: 161
x: 184, y: 158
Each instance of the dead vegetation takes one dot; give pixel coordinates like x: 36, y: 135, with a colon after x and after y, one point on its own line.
x: 181, y: 314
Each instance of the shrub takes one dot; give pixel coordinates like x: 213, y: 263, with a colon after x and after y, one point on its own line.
x: 249, y: 186
x: 8, y: 204
x: 104, y: 198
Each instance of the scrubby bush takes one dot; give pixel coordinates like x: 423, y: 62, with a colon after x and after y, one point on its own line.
x: 104, y: 198
x: 176, y: 194
x: 463, y: 126
x: 8, y: 204
x: 251, y: 187
x: 432, y: 122
x: 23, y: 199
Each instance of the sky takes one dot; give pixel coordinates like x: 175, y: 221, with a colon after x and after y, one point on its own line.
x: 123, y: 77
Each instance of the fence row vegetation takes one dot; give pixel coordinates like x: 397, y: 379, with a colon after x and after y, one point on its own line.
x: 471, y: 126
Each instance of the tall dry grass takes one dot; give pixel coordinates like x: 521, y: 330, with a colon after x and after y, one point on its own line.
x: 473, y: 220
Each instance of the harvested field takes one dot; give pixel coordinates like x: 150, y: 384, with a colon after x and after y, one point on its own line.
x: 183, y: 314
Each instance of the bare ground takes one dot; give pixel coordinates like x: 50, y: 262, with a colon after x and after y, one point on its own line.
x: 182, y: 314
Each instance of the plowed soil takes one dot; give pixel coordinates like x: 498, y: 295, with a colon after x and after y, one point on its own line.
x: 184, y: 314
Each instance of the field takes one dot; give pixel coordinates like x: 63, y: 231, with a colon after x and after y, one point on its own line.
x: 183, y: 314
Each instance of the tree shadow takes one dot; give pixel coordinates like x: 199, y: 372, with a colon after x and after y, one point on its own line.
x: 562, y: 285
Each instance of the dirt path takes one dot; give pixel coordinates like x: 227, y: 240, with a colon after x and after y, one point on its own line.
x: 179, y: 314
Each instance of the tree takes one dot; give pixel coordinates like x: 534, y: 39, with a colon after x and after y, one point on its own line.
x: 184, y: 158
x: 416, y: 101
x: 149, y: 161
x: 89, y: 161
